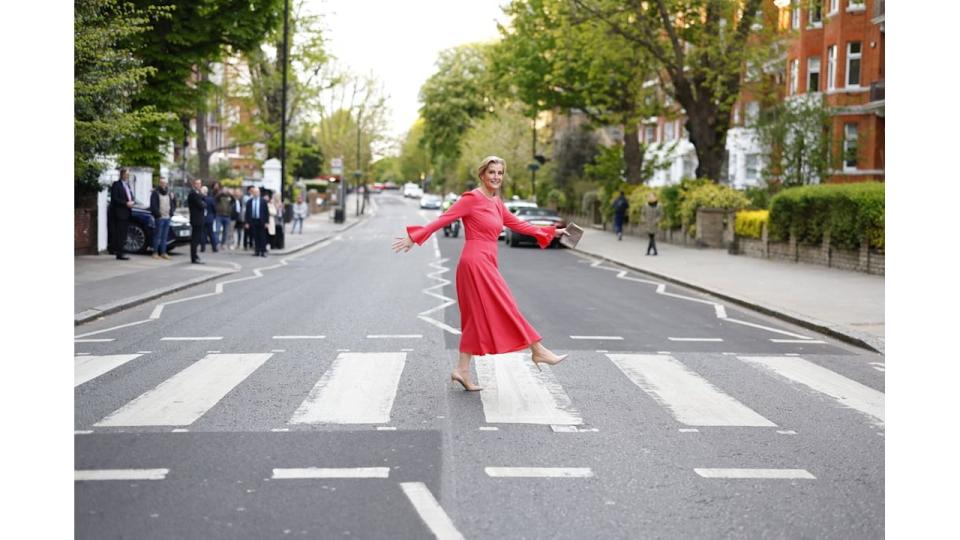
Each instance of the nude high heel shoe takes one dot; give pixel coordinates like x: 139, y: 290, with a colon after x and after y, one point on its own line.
x: 537, y: 361
x: 466, y: 386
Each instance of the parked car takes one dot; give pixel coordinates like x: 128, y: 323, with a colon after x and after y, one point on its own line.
x: 376, y: 187
x: 512, y: 205
x: 142, y: 227
x: 535, y: 216
x: 412, y: 190
x: 390, y: 185
x: 430, y: 202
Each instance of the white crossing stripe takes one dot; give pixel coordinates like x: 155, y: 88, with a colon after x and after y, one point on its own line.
x: 430, y: 511
x: 539, y: 472
x: 514, y: 392
x: 690, y: 398
x: 317, y: 472
x: 607, y: 338
x: 120, y: 474
x: 791, y: 474
x: 86, y: 367
x: 359, y: 388
x: 848, y: 392
x: 185, y: 397
x: 299, y: 337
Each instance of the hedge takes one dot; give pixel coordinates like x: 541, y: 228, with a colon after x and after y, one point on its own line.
x: 850, y: 212
x: 749, y: 223
x: 709, y: 196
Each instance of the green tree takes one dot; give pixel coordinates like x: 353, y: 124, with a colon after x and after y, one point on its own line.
x: 386, y: 169
x: 795, y: 137
x: 504, y: 133
x: 554, y: 57
x: 702, y: 47
x: 180, y: 49
x: 107, y: 76
x: 414, y: 159
x: 459, y: 91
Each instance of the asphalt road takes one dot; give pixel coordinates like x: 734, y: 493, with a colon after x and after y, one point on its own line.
x: 309, y: 397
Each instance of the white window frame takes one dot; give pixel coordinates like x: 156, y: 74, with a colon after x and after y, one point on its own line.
x: 832, y: 67
x: 795, y: 17
x: 856, y: 5
x: 851, y: 57
x: 813, y: 8
x: 649, y: 134
x: 794, y: 76
x: 756, y: 167
x: 834, y: 7
x: 671, y: 134
x: 751, y: 112
x: 846, y: 145
x: 811, y: 70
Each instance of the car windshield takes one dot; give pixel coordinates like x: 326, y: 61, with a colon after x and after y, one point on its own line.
x: 536, y: 212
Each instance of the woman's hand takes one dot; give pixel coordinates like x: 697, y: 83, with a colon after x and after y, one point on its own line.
x: 560, y: 232
x: 403, y: 243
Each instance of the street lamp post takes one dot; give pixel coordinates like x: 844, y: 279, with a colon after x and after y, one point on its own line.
x: 283, y: 105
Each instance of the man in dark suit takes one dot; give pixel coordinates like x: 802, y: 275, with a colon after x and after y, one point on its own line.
x: 256, y: 220
x: 196, y: 204
x: 121, y: 201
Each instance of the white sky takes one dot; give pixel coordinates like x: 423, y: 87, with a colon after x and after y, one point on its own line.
x: 398, y: 41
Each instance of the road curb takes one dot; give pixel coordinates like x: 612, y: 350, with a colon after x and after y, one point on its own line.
x: 852, y: 337
x: 127, y: 303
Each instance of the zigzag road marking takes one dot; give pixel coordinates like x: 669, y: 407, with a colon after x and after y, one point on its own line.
x: 447, y: 301
x: 218, y: 289
x: 719, y: 309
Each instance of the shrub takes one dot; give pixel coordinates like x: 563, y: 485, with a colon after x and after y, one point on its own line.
x: 588, y: 201
x: 709, y: 196
x: 749, y: 223
x: 759, y: 197
x: 557, y: 198
x: 850, y: 212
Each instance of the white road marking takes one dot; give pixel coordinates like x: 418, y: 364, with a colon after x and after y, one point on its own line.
x: 798, y: 341
x: 317, y: 472
x: 359, y: 388
x: 343, y: 350
x: 539, y: 472
x: 407, y: 350
x: 83, y: 432
x: 394, y: 336
x: 605, y: 338
x: 101, y: 340
x: 689, y: 430
x: 846, y: 391
x: 514, y: 392
x: 179, y: 430
x: 602, y: 350
x: 790, y: 474
x: 489, y: 428
x: 86, y: 368
x: 694, y: 339
x: 80, y: 354
x: 690, y: 398
x: 279, y: 429
x: 386, y: 428
x: 299, y: 337
x: 446, y: 301
x: 786, y: 432
x: 144, y: 352
x: 430, y: 511
x: 185, y: 397
x: 572, y: 429
x: 120, y: 474
x: 213, y: 352
x: 192, y: 338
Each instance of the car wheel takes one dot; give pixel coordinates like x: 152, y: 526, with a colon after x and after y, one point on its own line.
x: 136, y: 239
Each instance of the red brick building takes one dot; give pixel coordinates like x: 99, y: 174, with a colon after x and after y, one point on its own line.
x: 839, y: 51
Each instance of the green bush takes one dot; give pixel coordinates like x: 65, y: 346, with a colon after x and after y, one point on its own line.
x: 759, y: 197
x: 749, y: 223
x: 637, y: 198
x: 709, y: 196
x: 556, y: 198
x: 850, y: 212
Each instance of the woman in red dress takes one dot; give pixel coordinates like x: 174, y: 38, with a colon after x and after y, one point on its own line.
x: 490, y: 321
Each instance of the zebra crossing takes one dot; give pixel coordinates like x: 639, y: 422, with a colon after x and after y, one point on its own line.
x: 360, y: 388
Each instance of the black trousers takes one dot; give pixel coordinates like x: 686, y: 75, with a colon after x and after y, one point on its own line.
x: 259, y: 231
x: 652, y: 246
x: 196, y: 233
x: 120, y: 228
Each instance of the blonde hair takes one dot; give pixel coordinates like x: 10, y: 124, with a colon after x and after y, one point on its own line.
x: 490, y: 160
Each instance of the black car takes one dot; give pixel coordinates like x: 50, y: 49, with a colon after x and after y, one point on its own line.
x: 142, y: 227
x: 535, y: 216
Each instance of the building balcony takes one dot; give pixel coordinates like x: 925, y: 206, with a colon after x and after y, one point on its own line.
x: 878, y: 14
x: 876, y: 91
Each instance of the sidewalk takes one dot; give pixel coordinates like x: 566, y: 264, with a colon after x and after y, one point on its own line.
x: 846, y: 305
x: 104, y: 285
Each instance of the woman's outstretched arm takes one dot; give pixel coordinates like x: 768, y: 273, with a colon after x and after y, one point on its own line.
x: 543, y: 235
x: 418, y: 234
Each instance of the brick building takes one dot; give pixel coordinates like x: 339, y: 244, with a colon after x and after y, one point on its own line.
x: 839, y: 52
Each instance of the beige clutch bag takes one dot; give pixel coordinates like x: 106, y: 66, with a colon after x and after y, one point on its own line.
x: 574, y: 232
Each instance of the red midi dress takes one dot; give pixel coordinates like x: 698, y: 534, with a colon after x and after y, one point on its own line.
x: 490, y: 321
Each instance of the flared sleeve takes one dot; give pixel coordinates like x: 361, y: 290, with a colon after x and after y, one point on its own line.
x: 420, y: 233
x: 543, y: 235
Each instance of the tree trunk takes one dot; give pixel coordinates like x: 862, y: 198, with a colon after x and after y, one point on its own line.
x: 203, y: 155
x: 708, y: 140
x: 633, y: 154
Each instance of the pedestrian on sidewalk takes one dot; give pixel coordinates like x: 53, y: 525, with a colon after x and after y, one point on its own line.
x: 197, y: 207
x: 162, y: 205
x: 247, y: 233
x: 237, y: 215
x: 278, y: 231
x: 121, y: 204
x: 209, y: 221
x: 256, y: 222
x: 299, y: 214
x: 271, y: 221
x: 490, y: 320
x: 651, y: 213
x: 620, y: 207
x: 224, y: 207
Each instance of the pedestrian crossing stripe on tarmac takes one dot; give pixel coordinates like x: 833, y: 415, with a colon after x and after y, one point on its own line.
x: 360, y: 388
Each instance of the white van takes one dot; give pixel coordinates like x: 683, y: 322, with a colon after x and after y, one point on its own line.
x: 412, y: 190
